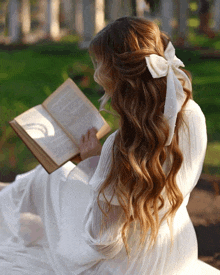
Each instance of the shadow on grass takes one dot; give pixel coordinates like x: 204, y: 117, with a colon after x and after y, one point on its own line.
x: 208, y: 235
x: 7, y: 174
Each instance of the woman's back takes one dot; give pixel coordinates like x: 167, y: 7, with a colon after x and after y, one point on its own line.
x: 159, y: 260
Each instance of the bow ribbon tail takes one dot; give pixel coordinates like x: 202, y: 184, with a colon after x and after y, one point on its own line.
x: 171, y: 106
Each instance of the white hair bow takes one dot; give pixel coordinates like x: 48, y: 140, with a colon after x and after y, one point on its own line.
x: 175, y: 96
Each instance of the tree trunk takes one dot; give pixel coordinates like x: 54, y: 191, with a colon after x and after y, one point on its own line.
x: 14, y: 22
x: 93, y: 19
x: 88, y: 20
x: 78, y: 5
x: 4, y: 8
x: 182, y: 30
x: 25, y: 17
x: 108, y: 4
x: 167, y: 16
x: 68, y: 11
x: 53, y: 24
x: 99, y: 15
x: 42, y: 14
x: 116, y: 10
x: 217, y: 15
x: 126, y: 8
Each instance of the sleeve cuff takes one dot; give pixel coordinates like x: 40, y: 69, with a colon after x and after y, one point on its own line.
x: 85, y: 169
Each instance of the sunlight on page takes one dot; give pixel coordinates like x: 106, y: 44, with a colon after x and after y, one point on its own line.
x: 41, y: 129
x: 47, y: 134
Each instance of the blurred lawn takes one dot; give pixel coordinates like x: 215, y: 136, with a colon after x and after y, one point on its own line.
x: 28, y: 76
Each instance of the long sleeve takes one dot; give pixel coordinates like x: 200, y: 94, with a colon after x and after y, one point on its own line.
x: 103, y: 169
x: 193, y: 146
x: 109, y: 242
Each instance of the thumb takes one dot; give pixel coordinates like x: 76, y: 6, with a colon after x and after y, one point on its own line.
x: 94, y: 130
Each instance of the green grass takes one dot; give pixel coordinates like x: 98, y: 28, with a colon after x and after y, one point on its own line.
x: 28, y: 76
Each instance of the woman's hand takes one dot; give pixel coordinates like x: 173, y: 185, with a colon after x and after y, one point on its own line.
x: 90, y: 145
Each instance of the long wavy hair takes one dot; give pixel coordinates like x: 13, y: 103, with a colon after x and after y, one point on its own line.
x: 118, y: 52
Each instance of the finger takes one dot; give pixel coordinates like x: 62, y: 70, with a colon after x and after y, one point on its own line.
x: 93, y: 132
x: 82, y: 140
x: 86, y: 136
x: 89, y: 134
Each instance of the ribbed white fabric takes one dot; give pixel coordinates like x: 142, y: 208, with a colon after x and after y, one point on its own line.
x: 66, y: 204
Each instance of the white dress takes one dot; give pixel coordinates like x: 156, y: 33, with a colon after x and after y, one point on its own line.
x: 66, y: 203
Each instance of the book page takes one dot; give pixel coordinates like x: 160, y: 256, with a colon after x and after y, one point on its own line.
x: 41, y: 127
x: 73, y: 111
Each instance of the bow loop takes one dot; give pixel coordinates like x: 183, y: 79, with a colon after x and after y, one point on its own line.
x: 169, y: 52
x: 159, y: 66
x: 176, y: 63
x: 157, y: 71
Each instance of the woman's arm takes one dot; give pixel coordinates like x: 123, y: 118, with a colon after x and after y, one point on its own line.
x: 193, y: 145
x: 109, y: 242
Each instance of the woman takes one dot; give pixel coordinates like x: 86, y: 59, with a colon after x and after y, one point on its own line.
x: 123, y: 212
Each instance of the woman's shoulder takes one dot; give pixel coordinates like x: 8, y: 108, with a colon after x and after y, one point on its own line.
x: 195, y: 120
x: 191, y: 105
x: 193, y: 108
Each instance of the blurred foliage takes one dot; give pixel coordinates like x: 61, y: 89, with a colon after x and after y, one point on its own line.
x: 193, y: 6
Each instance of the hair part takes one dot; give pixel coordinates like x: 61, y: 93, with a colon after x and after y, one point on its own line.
x: 139, y: 151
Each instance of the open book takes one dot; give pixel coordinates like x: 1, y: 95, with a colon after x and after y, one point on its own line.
x: 53, y: 129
